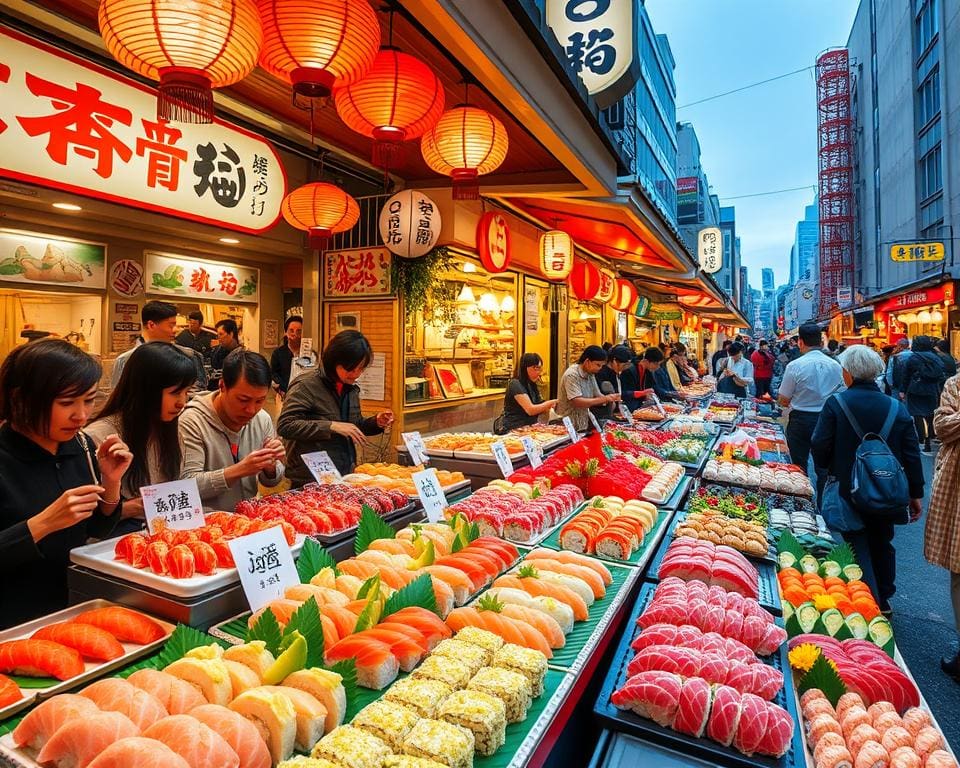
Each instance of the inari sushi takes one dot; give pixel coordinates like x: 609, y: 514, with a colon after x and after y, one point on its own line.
x: 238, y: 732
x: 139, y: 752
x: 115, y: 695
x: 92, y: 642
x: 44, y: 719
x: 538, y: 587
x: 40, y: 658
x: 377, y: 666
x: 177, y: 696
x: 124, y: 624
x: 76, y: 743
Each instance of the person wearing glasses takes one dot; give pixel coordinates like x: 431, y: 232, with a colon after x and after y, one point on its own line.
x: 286, y: 362
x: 522, y: 403
x: 579, y: 390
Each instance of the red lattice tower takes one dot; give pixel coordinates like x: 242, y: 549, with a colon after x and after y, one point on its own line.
x: 835, y: 179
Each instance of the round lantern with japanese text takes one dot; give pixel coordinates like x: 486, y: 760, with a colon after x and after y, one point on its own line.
x: 410, y: 224
x: 584, y: 280
x: 320, y: 209
x: 608, y: 283
x: 624, y: 295
x: 556, y: 254
x: 493, y: 242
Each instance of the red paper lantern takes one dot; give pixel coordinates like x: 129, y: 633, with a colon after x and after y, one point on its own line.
x: 318, y: 44
x: 321, y: 209
x: 584, y: 280
x: 493, y: 242
x: 190, y: 48
x: 556, y: 254
x: 466, y: 142
x: 397, y: 100
x: 624, y: 294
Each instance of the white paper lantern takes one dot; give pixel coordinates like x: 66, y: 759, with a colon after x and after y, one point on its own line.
x: 556, y: 254
x: 608, y: 285
x: 410, y: 224
x: 923, y: 317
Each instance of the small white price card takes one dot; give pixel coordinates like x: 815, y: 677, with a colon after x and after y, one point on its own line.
x: 416, y: 447
x: 321, y: 466
x: 499, y: 451
x: 176, y: 503
x: 265, y: 565
x: 571, y: 430
x: 657, y: 404
x: 431, y: 494
x: 532, y: 449
x: 625, y: 412
x: 593, y: 420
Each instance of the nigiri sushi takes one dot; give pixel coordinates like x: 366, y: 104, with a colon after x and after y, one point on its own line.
x: 116, y: 695
x: 281, y: 608
x: 242, y: 678
x: 408, y: 652
x: 573, y: 583
x: 542, y: 622
x: 511, y: 630
x: 393, y: 546
x: 274, y: 717
x: 43, y: 720
x: 253, y: 655
x: 92, y: 642
x: 10, y: 692
x: 210, y: 676
x: 124, y: 624
x: 40, y: 658
x: 323, y: 595
x: 377, y: 666
x: 591, y: 577
x: 195, y: 742
x: 457, y: 580
x: 535, y: 586
x: 559, y: 612
x: 428, y: 623
x: 77, y: 742
x: 311, y: 715
x: 178, y: 697
x: 138, y: 752
x: 564, y: 556
x: 238, y: 732
x: 343, y: 620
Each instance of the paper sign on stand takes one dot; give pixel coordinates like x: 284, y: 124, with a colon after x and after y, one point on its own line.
x: 532, y: 449
x: 416, y: 447
x: 625, y: 412
x: 431, y: 494
x: 499, y: 451
x: 593, y: 420
x: 176, y: 503
x: 657, y: 404
x: 321, y: 466
x: 571, y: 430
x: 265, y: 565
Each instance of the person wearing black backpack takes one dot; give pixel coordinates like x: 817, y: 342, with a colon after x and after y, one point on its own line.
x: 923, y: 377
x: 835, y: 445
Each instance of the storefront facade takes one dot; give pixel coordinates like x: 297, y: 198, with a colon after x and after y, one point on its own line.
x: 928, y: 311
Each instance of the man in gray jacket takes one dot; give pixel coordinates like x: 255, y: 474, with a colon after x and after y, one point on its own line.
x: 229, y: 443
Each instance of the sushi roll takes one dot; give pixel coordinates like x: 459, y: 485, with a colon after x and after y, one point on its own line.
x: 349, y: 747
x: 473, y: 656
x: 209, y: 676
x: 405, y: 761
x: 529, y: 663
x: 512, y: 688
x: 387, y: 721
x: 449, y: 745
x: 445, y: 669
x: 242, y: 678
x: 421, y: 695
x: 311, y: 715
x: 274, y: 717
x: 253, y: 655
x: 477, y: 636
x: 484, y: 715
x: 326, y: 687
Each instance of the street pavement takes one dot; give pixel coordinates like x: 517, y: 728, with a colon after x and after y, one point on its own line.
x: 923, y: 621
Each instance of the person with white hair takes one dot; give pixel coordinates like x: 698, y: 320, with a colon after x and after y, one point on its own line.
x: 834, y: 445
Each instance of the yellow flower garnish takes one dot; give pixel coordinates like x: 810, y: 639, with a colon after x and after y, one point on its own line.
x: 833, y: 664
x: 824, y: 602
x: 803, y: 656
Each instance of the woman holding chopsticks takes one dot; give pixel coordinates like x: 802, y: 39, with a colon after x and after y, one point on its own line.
x: 56, y: 490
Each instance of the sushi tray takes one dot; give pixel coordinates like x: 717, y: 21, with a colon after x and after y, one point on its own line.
x: 99, y: 557
x: 618, y: 750
x: 714, y: 753
x: 335, y: 538
x: 40, y: 688
x: 679, y: 495
x: 767, y: 587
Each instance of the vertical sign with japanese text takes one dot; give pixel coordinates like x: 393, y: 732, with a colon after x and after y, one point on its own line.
x: 357, y: 272
x: 72, y: 125
x: 533, y: 451
x: 571, y: 430
x: 416, y: 447
x: 265, y: 565
x: 174, y: 275
x: 431, y: 494
x: 710, y: 249
x: 176, y: 503
x: 321, y: 466
x: 499, y: 451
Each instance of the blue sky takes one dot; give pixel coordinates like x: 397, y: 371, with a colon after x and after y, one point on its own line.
x: 764, y: 138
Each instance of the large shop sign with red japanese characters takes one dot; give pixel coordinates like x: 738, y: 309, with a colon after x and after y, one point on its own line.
x: 356, y: 272
x: 69, y: 124
x: 186, y: 278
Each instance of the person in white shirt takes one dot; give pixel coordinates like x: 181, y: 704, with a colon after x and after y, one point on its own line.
x: 734, y: 372
x: 579, y: 391
x: 807, y: 383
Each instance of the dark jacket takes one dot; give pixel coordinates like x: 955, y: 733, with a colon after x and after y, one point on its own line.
x: 202, y: 343
x: 33, y: 577
x: 662, y: 384
x: 949, y: 365
x: 923, y: 375
x: 629, y: 384
x: 834, y: 442
x: 311, y: 405
x: 280, y: 362
x: 717, y: 357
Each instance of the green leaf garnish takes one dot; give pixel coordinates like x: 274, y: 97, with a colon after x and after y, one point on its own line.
x: 181, y: 640
x: 306, y: 621
x: 528, y: 572
x: 267, y: 628
x: 535, y: 494
x: 370, y: 529
x: 313, y: 558
x: 489, y: 603
x: 347, y: 669
x: 370, y: 588
x: 473, y: 532
x: 823, y: 676
x: 788, y: 543
x: 370, y: 615
x: 418, y: 592
x: 842, y: 554
x: 458, y: 543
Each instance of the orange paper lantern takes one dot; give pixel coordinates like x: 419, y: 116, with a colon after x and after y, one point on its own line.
x: 584, y: 280
x: 397, y: 100
x: 466, y: 142
x: 556, y: 254
x: 624, y: 294
x: 190, y: 48
x: 318, y: 44
x: 321, y: 209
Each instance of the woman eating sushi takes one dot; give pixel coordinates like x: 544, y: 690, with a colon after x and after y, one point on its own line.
x: 321, y: 411
x: 56, y: 490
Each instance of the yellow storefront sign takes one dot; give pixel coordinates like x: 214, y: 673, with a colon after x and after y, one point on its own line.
x: 917, y: 252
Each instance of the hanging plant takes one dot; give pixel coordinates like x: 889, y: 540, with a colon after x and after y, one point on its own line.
x: 423, y: 286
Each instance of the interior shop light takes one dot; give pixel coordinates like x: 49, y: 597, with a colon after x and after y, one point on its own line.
x: 488, y: 303
x: 229, y: 240
x: 936, y: 316
x: 923, y: 317
x: 468, y: 267
x: 508, y: 304
x: 466, y: 295
x: 67, y: 207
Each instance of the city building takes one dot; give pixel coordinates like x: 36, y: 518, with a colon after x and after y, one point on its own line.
x: 729, y: 274
x: 804, y: 256
x: 767, y: 280
x: 696, y: 207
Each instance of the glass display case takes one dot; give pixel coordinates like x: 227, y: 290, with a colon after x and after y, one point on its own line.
x: 585, y: 327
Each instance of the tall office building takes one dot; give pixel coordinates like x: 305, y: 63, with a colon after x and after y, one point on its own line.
x: 696, y: 207
x: 767, y: 280
x: 805, y: 254
x: 728, y: 278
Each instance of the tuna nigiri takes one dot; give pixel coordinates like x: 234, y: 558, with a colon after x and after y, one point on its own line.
x: 537, y: 587
x: 77, y: 742
x: 44, y: 719
x: 177, y: 696
x: 9, y: 691
x: 138, y: 752
x: 92, y: 642
x: 116, y: 695
x: 40, y: 658
x: 511, y: 630
x: 123, y: 624
x: 426, y: 622
x: 195, y: 742
x: 572, y: 557
x: 238, y: 732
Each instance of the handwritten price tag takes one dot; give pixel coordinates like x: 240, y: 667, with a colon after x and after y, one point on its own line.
x: 431, y: 494
x: 571, y: 430
x: 532, y: 449
x: 265, y: 565
x: 499, y: 451
x: 625, y: 412
x: 593, y: 420
x: 321, y: 466
x: 416, y: 447
x: 657, y: 404
x: 176, y: 503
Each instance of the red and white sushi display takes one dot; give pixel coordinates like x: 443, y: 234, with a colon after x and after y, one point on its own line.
x: 712, y: 609
x: 693, y: 559
x: 509, y: 516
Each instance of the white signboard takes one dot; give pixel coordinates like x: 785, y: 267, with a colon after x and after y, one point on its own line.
x: 69, y: 124
x: 173, y: 275
x: 599, y: 38
x: 710, y: 249
x: 373, y: 381
x: 416, y: 447
x: 265, y: 565
x: 321, y: 466
x: 176, y: 503
x: 571, y: 430
x: 532, y: 449
x: 845, y: 296
x: 431, y: 494
x: 499, y: 451
x: 410, y: 224
x: 625, y: 412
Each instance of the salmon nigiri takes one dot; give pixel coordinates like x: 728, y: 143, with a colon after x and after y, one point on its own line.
x: 511, y: 630
x: 323, y: 595
x: 457, y: 580
x: 588, y: 575
x: 138, y: 752
x: 443, y: 595
x: 426, y: 622
x: 40, y: 658
x: 360, y: 569
x: 393, y: 546
x: 282, y: 609
x: 43, y: 720
x: 412, y: 632
x: 576, y: 559
x: 238, y: 732
x: 545, y: 624
x: 91, y: 642
x: 536, y: 586
x: 124, y: 624
x: 344, y: 621
x: 377, y: 666
x: 408, y: 652
x: 176, y: 695
x: 507, y: 552
x: 476, y: 573
x: 195, y: 742
x: 78, y: 742
x: 9, y: 692
x: 116, y: 695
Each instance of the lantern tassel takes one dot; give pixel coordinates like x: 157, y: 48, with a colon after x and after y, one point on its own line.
x: 465, y: 184
x: 184, y: 96
x: 387, y: 154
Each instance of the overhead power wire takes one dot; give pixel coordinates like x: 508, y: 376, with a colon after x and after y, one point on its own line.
x: 746, y: 87
x: 772, y: 192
